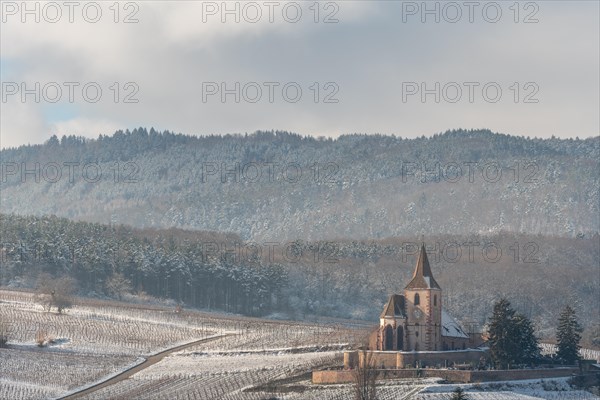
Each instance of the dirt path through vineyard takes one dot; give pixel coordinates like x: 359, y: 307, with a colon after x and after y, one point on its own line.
x: 151, y: 360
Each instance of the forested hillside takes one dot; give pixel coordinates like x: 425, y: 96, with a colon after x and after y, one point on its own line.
x: 341, y: 278
x: 278, y: 185
x: 167, y: 264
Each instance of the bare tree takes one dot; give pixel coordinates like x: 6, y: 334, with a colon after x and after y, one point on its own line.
x: 117, y: 285
x: 57, y: 293
x: 365, y: 376
x: 43, y: 339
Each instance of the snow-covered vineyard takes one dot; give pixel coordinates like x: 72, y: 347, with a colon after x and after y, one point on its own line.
x: 93, y: 341
x: 240, y: 358
x: 431, y: 390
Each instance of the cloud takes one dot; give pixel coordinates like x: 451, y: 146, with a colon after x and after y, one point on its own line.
x: 170, y: 55
x: 22, y: 123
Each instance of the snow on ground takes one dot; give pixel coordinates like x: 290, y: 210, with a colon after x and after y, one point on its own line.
x: 94, y: 341
x: 20, y: 390
x: 105, y: 330
x: 87, y: 344
x: 549, y: 389
x: 205, y: 376
x: 553, y: 389
x: 191, y: 365
x: 396, y: 390
x: 42, y: 373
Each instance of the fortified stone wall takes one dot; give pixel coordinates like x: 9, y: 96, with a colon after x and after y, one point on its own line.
x: 396, y: 359
x: 440, y: 359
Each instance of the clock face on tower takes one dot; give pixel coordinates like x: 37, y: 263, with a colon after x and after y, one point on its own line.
x: 417, y: 313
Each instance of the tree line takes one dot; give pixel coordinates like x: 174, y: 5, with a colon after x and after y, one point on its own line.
x: 348, y: 279
x: 274, y: 184
x: 112, y: 261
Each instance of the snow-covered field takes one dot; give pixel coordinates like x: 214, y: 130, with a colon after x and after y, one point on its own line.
x: 428, y: 389
x: 550, y: 389
x: 93, y: 341
x: 53, y: 371
x: 96, y: 329
x: 204, y: 376
x: 97, y: 340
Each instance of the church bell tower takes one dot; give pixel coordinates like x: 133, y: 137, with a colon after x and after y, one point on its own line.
x: 423, y: 302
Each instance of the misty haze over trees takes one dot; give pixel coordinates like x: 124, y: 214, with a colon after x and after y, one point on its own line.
x: 340, y: 278
x: 279, y: 185
x: 340, y: 212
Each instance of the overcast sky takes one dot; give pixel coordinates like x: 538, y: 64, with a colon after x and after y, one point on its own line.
x: 532, y: 70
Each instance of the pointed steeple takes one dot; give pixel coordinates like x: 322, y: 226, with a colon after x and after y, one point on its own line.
x: 422, y: 277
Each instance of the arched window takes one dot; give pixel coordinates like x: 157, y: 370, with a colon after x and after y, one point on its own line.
x: 435, y: 299
x: 417, y: 299
x: 417, y: 329
x: 388, y: 338
x: 400, y: 338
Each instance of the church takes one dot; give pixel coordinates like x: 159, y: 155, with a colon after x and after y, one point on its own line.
x: 416, y: 332
x: 416, y: 320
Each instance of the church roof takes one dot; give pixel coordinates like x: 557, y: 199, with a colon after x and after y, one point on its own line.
x: 422, y: 277
x: 394, y: 307
x: 451, y: 328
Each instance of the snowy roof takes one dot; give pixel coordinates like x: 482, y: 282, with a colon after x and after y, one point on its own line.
x: 451, y: 328
x: 394, y: 307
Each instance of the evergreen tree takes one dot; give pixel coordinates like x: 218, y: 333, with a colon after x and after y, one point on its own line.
x: 568, y: 335
x: 512, y: 336
x: 459, y: 394
x: 503, y: 343
x: 529, y: 348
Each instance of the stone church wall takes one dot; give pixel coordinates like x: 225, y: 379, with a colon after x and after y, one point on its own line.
x: 440, y: 358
